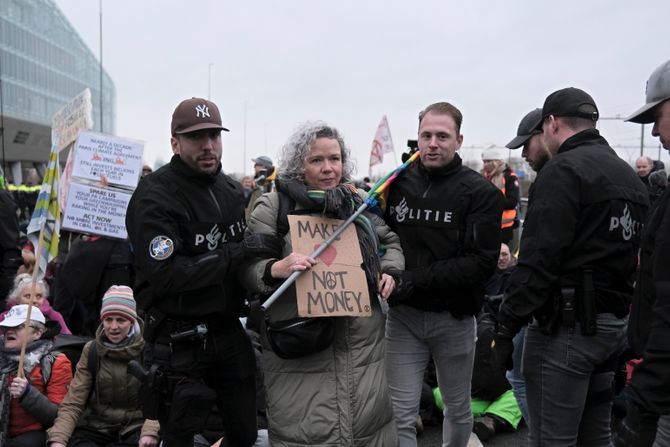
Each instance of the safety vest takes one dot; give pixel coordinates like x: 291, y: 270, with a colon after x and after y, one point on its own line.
x: 508, y: 216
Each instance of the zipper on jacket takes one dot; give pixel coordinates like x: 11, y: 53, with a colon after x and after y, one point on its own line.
x: 425, y: 193
x: 216, y: 204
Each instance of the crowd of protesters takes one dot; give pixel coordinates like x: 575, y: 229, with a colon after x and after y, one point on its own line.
x: 171, y: 343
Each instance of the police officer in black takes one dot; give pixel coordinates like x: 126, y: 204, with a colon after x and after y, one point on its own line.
x: 574, y: 279
x: 448, y: 219
x: 649, y: 331
x: 10, y: 254
x: 186, y: 225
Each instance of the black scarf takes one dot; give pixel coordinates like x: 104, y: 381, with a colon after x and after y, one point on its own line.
x: 341, y: 202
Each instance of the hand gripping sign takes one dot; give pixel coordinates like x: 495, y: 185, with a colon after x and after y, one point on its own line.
x: 336, y: 286
x: 372, y: 200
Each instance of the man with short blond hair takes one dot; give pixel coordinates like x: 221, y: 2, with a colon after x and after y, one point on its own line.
x: 448, y: 219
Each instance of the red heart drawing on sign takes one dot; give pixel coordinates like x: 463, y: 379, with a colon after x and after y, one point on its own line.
x: 328, y: 255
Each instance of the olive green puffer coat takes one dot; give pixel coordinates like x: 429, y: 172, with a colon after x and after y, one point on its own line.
x: 113, y: 406
x: 337, y: 397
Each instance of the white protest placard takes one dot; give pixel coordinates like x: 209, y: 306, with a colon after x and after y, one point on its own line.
x: 336, y: 285
x: 96, y: 210
x: 117, y: 159
x: 75, y: 117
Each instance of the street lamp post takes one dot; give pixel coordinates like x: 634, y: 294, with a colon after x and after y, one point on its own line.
x: 101, y: 119
x: 209, y: 83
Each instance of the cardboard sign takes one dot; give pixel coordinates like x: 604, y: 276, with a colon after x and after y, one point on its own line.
x: 96, y: 210
x: 336, y: 286
x: 119, y: 160
x: 73, y: 118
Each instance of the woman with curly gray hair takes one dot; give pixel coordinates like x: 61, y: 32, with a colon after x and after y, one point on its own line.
x: 297, y: 148
x: 333, y: 393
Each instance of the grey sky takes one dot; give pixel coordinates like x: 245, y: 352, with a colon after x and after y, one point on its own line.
x: 350, y: 62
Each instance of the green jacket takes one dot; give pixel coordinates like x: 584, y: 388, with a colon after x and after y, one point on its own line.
x: 338, y: 396
x: 108, y: 403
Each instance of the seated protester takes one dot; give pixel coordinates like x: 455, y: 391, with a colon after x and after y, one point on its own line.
x: 494, y: 405
x: 494, y: 290
x: 497, y: 284
x: 102, y: 407
x: 28, y: 405
x: 20, y: 294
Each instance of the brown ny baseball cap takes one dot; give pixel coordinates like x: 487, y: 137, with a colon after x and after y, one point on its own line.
x: 195, y: 114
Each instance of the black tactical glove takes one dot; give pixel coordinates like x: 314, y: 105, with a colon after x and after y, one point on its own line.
x: 638, y: 429
x: 404, y: 286
x: 502, y: 348
x: 262, y: 246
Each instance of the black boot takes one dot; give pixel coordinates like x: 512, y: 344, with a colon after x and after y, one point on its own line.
x: 484, y: 427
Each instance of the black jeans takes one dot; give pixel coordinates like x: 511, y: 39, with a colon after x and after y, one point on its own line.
x: 83, y: 437
x: 224, y: 361
x: 28, y: 439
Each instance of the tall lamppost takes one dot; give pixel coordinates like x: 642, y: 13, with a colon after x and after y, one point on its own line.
x: 102, y: 129
x: 209, y: 82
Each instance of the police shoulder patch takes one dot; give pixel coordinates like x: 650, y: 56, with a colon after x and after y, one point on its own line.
x: 161, y: 247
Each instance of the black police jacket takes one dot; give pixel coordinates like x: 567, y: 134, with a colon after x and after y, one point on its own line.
x: 10, y: 254
x: 585, y: 213
x: 649, y: 324
x: 183, y: 226
x: 448, y: 221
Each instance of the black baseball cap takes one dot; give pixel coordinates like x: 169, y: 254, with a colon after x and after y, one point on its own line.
x: 195, y: 114
x: 528, y: 127
x: 570, y: 101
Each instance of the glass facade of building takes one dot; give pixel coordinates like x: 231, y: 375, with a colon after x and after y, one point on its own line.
x: 44, y: 63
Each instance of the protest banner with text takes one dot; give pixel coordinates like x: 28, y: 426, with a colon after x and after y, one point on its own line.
x: 336, y: 285
x: 119, y: 160
x: 96, y: 210
x: 71, y: 119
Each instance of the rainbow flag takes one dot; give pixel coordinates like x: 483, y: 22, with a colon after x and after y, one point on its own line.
x: 379, y: 192
x: 46, y: 215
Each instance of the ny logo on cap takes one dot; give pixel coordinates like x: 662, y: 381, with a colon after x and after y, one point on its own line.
x: 202, y: 111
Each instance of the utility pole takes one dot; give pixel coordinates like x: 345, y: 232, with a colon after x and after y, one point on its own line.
x: 619, y: 117
x: 101, y: 120
x: 244, y: 141
x: 209, y: 83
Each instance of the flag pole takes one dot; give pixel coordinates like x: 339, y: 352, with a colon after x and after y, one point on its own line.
x: 371, y: 201
x: 36, y: 269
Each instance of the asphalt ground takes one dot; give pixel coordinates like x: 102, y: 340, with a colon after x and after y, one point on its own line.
x: 432, y: 437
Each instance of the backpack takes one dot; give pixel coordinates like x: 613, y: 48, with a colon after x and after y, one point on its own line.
x: 71, y: 346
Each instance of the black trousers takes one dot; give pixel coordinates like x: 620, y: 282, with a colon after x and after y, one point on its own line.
x: 83, y: 437
x: 28, y: 439
x: 224, y: 361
